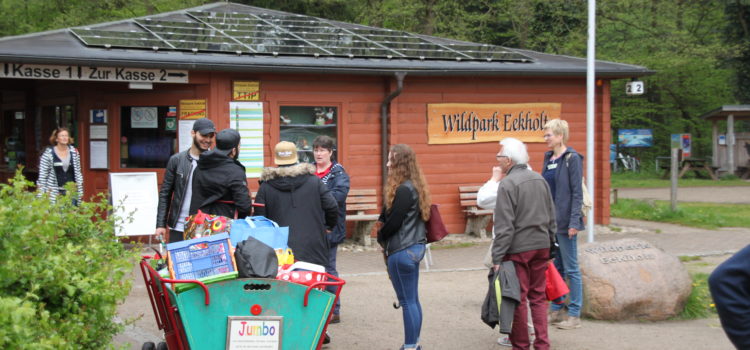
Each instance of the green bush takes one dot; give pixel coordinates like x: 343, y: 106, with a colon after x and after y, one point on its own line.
x: 62, y: 271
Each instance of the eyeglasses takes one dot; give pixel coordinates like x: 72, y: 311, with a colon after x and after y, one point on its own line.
x: 501, y: 156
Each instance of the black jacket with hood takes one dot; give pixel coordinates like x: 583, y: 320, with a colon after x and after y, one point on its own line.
x: 220, y: 186
x: 293, y: 196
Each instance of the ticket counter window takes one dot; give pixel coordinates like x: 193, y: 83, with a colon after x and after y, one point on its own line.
x: 146, y: 140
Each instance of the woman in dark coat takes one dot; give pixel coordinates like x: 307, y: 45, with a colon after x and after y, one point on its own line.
x: 335, y: 177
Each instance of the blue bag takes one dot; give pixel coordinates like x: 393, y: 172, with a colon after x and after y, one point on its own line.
x: 260, y: 228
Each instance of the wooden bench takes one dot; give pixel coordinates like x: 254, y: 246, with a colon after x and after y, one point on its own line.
x: 358, y: 203
x: 476, y: 218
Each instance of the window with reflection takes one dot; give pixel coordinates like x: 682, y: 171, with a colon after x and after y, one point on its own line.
x: 147, y: 140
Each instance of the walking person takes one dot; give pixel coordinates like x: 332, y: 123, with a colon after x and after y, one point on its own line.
x: 220, y: 185
x: 177, y: 188
x: 563, y: 170
x: 59, y: 164
x: 524, y: 228
x: 335, y: 177
x: 402, y: 234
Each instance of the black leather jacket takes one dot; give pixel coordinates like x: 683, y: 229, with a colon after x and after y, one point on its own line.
x: 412, y: 229
x: 173, y: 188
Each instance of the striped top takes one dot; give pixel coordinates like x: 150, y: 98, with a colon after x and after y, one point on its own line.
x: 47, y: 182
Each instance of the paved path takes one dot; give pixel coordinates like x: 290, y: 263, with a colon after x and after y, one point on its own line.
x: 737, y: 195
x: 452, y: 291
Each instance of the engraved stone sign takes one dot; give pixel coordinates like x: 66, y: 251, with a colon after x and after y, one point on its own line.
x: 631, y: 279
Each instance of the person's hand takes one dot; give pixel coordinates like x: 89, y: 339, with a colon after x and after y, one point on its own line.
x: 497, y: 173
x: 160, y: 233
x: 497, y: 268
x: 572, y: 232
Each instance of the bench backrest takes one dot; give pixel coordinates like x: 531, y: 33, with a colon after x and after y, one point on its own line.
x: 361, y: 200
x: 468, y: 195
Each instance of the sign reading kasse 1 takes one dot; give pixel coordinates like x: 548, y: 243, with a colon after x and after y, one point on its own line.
x: 92, y: 73
x: 450, y: 123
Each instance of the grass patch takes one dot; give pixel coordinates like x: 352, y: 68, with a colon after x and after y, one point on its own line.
x: 447, y: 245
x: 685, y: 258
x: 615, y: 229
x: 703, y: 215
x: 654, y: 180
x: 699, y: 303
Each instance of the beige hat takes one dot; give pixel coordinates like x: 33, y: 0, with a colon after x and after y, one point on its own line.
x: 285, y: 153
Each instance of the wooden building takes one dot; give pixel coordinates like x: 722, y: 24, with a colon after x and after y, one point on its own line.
x: 128, y: 89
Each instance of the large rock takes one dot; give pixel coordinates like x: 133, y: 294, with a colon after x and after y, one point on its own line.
x: 630, y: 279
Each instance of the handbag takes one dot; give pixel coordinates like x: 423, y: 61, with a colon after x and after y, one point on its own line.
x: 434, y: 226
x: 556, y: 287
x: 262, y: 229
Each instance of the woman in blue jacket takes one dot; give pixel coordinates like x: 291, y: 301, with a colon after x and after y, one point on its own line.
x: 335, y: 177
x: 563, y: 170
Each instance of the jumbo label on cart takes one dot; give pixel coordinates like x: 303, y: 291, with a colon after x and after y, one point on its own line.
x: 254, y: 332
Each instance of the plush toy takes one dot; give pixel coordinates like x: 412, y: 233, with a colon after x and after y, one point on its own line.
x: 320, y: 116
x: 320, y: 120
x: 329, y: 116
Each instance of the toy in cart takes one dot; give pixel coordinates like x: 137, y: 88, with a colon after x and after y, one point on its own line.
x: 198, y: 310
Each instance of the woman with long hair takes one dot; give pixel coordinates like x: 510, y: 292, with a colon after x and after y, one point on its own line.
x: 402, y: 234
x: 59, y: 164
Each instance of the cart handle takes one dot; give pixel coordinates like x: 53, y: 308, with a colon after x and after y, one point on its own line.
x: 205, y: 289
x: 338, y: 282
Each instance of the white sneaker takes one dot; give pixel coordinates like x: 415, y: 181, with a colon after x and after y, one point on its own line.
x: 504, y: 341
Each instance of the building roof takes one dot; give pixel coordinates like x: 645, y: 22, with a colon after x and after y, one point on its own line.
x: 739, y: 112
x: 240, y: 38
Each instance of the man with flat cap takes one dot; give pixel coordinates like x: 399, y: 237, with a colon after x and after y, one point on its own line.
x: 220, y: 185
x: 294, y: 196
x: 176, y: 189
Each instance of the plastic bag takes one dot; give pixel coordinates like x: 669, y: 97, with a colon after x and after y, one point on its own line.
x: 262, y: 229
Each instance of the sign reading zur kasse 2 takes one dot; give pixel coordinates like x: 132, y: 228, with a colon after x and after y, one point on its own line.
x: 469, y: 123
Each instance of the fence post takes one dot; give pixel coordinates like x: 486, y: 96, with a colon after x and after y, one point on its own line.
x: 674, y: 169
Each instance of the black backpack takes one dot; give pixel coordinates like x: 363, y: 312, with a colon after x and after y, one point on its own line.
x: 255, y: 259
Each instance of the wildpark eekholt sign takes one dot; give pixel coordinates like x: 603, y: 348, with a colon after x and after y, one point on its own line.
x: 449, y: 123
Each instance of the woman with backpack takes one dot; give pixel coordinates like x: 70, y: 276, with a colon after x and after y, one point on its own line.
x: 402, y: 234
x: 563, y: 170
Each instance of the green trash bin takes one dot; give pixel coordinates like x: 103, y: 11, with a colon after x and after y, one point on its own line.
x: 264, y: 312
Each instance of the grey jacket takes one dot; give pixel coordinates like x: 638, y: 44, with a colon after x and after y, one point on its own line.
x: 568, y: 192
x: 500, y: 305
x: 524, y: 214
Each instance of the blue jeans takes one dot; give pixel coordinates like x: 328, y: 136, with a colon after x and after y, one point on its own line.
x: 331, y: 269
x: 567, y: 264
x: 403, y: 268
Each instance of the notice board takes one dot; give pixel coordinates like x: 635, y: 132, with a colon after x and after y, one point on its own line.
x: 134, y: 196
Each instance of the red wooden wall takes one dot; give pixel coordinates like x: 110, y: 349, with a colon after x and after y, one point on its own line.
x: 359, y: 99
